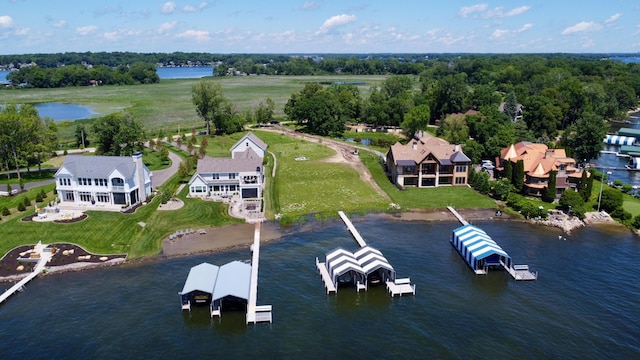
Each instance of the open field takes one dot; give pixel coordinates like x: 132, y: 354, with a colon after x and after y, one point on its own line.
x: 167, y: 105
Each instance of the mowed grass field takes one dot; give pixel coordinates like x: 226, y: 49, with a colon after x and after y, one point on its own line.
x: 167, y: 105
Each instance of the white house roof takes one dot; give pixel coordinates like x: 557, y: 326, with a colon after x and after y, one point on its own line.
x: 233, y: 280
x: 201, y: 277
x: 253, y: 138
x: 97, y: 166
x: 247, y: 161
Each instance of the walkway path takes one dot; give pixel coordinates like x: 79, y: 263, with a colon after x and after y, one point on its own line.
x: 45, y: 256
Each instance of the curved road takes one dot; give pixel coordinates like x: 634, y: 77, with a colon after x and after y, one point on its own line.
x: 161, y: 176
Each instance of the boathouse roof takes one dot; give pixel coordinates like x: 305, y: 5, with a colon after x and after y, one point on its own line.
x: 234, y: 279
x: 371, y: 260
x: 340, y: 262
x: 474, y: 244
x: 201, y: 278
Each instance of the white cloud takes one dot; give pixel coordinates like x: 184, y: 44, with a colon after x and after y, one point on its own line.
x: 22, y: 31
x: 191, y: 8
x: 499, y: 12
x: 583, y: 26
x: 524, y: 28
x: 6, y: 21
x: 310, y: 5
x: 467, y: 10
x: 612, y: 19
x: 86, y: 30
x: 499, y: 33
x: 61, y: 24
x: 336, y: 21
x: 197, y: 35
x: 166, y: 27
x: 111, y: 36
x: 168, y: 7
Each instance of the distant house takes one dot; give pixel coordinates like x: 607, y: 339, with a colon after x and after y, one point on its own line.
x: 538, y: 162
x: 103, y: 180
x: 242, y: 174
x: 427, y: 162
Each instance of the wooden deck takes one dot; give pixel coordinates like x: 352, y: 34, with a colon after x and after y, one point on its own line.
x: 352, y: 229
x: 45, y: 255
x: 256, y: 313
x: 457, y: 215
x: 400, y: 287
x: 521, y: 272
x: 326, y: 279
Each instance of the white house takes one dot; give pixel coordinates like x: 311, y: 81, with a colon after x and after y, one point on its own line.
x: 242, y: 174
x: 103, y: 180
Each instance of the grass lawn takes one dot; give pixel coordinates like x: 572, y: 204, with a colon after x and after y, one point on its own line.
x: 314, y: 186
x: 108, y: 232
x: 167, y: 105
x: 27, y: 177
x: 11, y: 202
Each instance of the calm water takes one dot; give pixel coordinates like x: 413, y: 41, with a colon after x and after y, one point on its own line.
x: 184, y: 72
x: 59, y: 111
x: 611, y: 160
x: 584, y: 305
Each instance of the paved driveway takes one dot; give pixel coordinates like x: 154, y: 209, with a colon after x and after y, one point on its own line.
x: 161, y: 176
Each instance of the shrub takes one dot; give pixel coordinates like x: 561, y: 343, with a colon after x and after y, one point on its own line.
x: 43, y: 194
x: 5, y: 211
x: 26, y: 201
x: 627, y: 188
x: 38, y: 198
x: 21, y: 207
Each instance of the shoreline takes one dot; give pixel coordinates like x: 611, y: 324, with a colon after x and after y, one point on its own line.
x: 236, y: 236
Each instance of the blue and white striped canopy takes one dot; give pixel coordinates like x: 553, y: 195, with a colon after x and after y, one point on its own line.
x: 620, y: 140
x: 474, y: 244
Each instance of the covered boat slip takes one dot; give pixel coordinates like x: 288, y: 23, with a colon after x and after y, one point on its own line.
x: 233, y: 286
x: 481, y: 253
x: 367, y: 266
x: 620, y: 140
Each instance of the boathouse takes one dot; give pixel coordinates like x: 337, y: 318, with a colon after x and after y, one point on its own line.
x: 225, y: 286
x: 344, y: 268
x: 479, y: 250
x: 620, y: 140
x: 375, y: 266
x: 198, y: 289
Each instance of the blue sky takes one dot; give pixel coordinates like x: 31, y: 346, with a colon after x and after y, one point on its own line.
x: 319, y: 26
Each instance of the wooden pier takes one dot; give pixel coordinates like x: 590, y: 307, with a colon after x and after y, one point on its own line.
x: 352, y: 229
x: 256, y: 313
x: 457, y: 215
x: 400, y: 287
x: 326, y: 278
x: 45, y: 255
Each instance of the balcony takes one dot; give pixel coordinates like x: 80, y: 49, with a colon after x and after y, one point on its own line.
x: 117, y: 188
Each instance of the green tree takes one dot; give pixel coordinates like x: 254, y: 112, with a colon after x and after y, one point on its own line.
x: 210, y: 104
x: 501, y: 188
x: 511, y: 106
x: 473, y: 150
x: 611, y: 199
x: 81, y: 136
x: 636, y: 222
x: 584, y: 137
x: 586, y: 185
x: 264, y: 112
x: 118, y: 134
x: 508, y: 171
x: 317, y: 109
x: 454, y: 129
x: 19, y: 126
x: 183, y: 170
x: 447, y: 96
x: 415, y: 120
x: 518, y: 176
x: 549, y: 193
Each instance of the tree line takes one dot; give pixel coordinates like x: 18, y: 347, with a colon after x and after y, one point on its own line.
x: 82, y: 75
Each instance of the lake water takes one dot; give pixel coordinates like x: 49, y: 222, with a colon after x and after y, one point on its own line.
x: 583, y: 305
x: 184, y: 72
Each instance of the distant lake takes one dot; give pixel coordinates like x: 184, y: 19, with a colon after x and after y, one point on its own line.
x: 3, y: 76
x: 60, y: 112
x: 184, y: 72
x: 627, y: 59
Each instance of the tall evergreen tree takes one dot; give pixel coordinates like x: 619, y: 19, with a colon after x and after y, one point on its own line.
x: 518, y: 176
x: 549, y: 193
x: 508, y: 171
x: 586, y: 185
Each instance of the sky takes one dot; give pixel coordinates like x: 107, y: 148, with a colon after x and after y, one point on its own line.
x: 320, y: 26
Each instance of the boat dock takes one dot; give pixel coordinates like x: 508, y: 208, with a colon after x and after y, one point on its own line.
x: 43, y: 255
x: 480, y: 251
x: 352, y: 229
x: 256, y: 313
x: 326, y: 278
x: 371, y: 261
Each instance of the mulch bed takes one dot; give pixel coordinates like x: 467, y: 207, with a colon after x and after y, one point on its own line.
x: 132, y: 209
x: 63, y: 221
x: 9, y: 263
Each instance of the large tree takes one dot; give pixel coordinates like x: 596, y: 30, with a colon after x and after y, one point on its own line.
x: 19, y: 126
x: 118, y: 134
x: 415, y: 120
x: 318, y: 109
x: 210, y: 103
x: 584, y: 138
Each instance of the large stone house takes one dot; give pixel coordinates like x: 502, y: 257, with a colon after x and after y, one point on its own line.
x: 104, y: 182
x: 538, y: 162
x: 241, y: 175
x: 427, y: 162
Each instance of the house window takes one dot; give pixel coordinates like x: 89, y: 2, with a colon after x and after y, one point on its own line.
x: 103, y: 198
x: 68, y: 196
x: 67, y: 181
x: 232, y: 176
x: 460, y: 180
x: 232, y: 187
x: 461, y: 168
x: 60, y: 181
x: 216, y: 187
x: 409, y: 169
x: 215, y: 176
x: 85, y: 196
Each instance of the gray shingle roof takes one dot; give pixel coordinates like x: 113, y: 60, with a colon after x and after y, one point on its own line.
x: 99, y: 166
x: 261, y: 144
x: 248, y: 160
